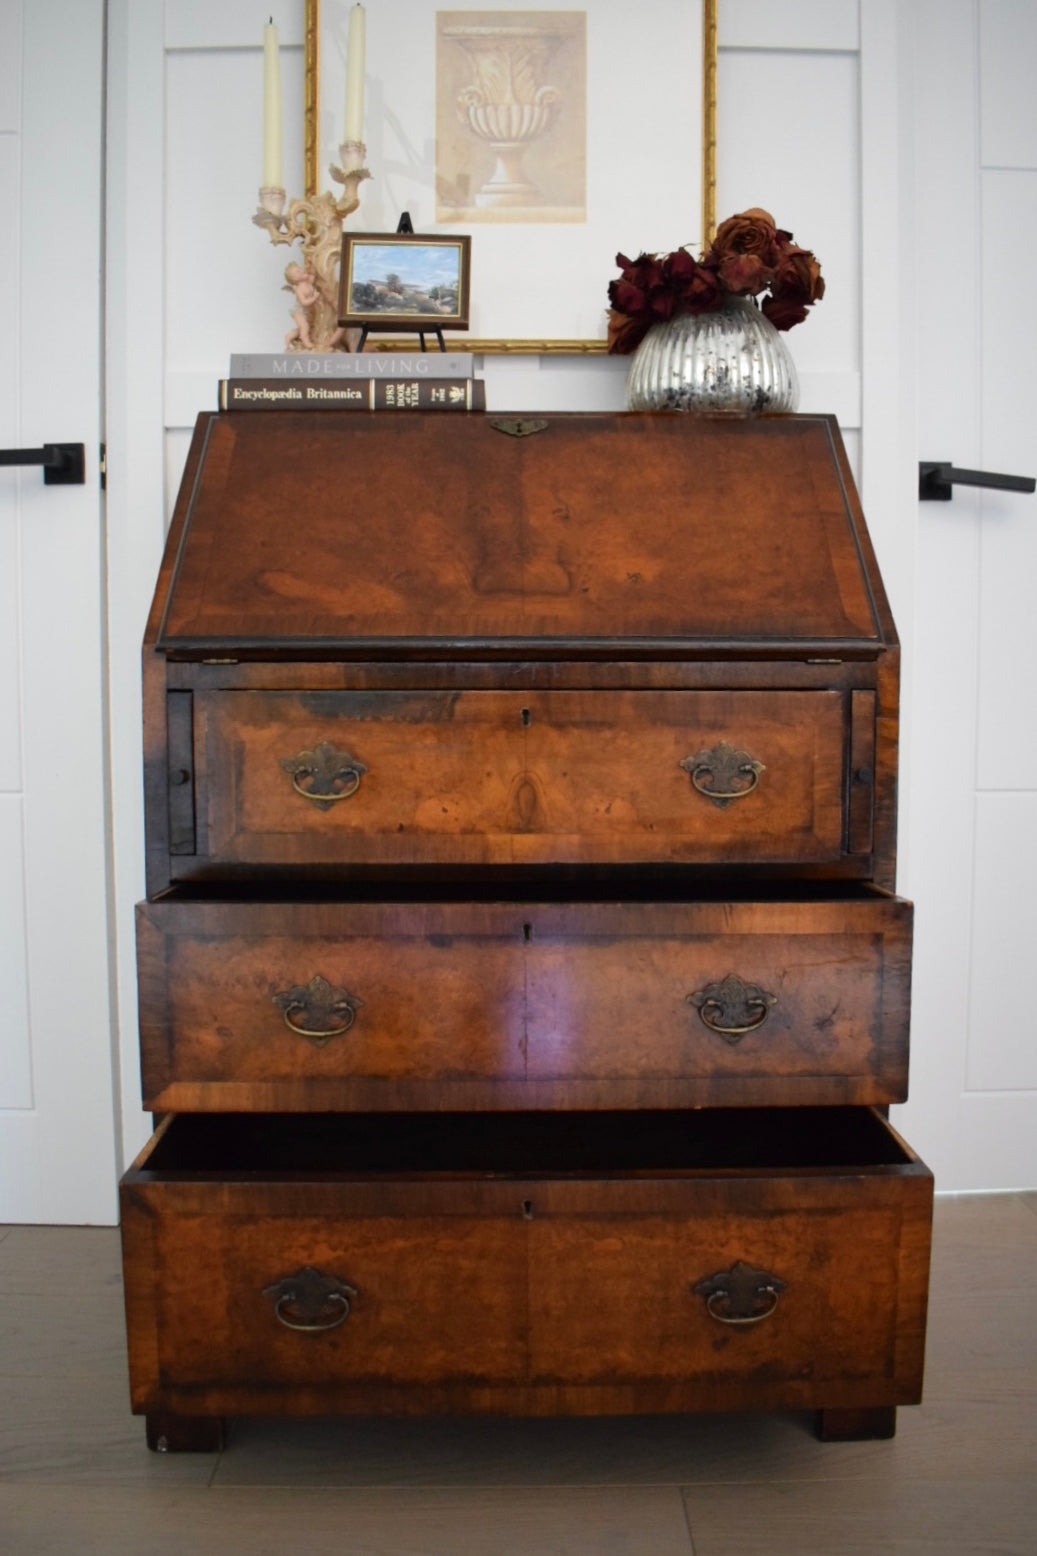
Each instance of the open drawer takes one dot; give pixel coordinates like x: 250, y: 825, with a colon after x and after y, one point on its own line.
x: 526, y: 1263
x: 341, y: 1003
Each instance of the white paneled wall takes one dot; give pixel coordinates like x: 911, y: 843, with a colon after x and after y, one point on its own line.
x: 1002, y: 1028
x: 1002, y: 1053
x: 971, y: 808
x: 10, y: 713
x: 1007, y: 736
x: 57, y: 1147
x: 796, y: 26
x: 788, y: 139
x: 1007, y: 51
x: 15, y: 1057
x: 223, y: 277
x: 15, y: 1060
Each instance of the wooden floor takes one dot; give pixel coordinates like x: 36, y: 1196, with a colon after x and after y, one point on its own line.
x: 960, y: 1478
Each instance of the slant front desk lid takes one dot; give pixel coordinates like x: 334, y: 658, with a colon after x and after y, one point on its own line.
x: 410, y: 532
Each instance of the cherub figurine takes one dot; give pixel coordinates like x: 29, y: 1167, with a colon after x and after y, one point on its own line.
x: 303, y: 283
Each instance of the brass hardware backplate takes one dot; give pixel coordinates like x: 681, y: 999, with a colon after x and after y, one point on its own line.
x: 310, y: 1301
x: 740, y: 1295
x: 723, y: 774
x: 732, y: 1007
x: 324, y: 775
x: 326, y: 1011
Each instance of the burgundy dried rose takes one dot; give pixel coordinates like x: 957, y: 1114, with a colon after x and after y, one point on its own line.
x: 702, y: 292
x: 639, y: 298
x: 652, y: 289
x: 642, y: 289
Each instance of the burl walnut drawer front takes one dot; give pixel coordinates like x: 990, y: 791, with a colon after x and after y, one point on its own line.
x: 339, y: 779
x: 676, y: 1262
x: 322, y: 1005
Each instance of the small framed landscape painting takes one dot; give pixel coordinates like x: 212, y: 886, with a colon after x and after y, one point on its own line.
x: 404, y: 281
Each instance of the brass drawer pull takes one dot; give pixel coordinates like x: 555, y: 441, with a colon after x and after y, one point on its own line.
x: 732, y: 1007
x: 740, y: 1295
x: 723, y: 774
x: 329, y: 1012
x: 310, y: 1302
x: 324, y: 775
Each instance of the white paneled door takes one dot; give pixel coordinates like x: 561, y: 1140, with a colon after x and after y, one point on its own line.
x: 57, y: 1140
x: 972, y: 811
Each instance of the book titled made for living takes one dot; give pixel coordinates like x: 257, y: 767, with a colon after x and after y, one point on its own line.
x: 370, y: 394
x: 313, y: 365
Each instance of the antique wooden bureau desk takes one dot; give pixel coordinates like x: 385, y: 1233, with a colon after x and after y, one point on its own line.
x: 522, y: 983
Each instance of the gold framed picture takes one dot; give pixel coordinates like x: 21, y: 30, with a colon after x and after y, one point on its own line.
x: 554, y: 139
x: 405, y: 281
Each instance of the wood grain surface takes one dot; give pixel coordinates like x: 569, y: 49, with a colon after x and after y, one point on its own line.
x: 507, y: 778
x: 326, y: 529
x: 494, y: 1004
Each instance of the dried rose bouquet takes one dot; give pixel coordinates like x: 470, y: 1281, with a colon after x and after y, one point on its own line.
x: 749, y: 257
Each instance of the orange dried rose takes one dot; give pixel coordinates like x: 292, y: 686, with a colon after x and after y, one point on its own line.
x: 749, y: 234
x: 797, y: 285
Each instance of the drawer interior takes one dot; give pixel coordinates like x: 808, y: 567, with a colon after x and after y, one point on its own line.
x: 544, y: 885
x: 522, y: 1145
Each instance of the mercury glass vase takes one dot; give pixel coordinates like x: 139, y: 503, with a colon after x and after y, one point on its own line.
x: 732, y: 360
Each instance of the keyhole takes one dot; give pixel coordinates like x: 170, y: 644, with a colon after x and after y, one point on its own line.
x: 527, y: 932
x: 527, y: 1210
x: 527, y: 718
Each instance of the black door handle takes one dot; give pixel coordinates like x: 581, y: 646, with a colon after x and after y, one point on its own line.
x: 935, y: 481
x: 62, y: 462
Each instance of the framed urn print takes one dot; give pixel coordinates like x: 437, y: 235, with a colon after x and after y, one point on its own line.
x: 511, y: 117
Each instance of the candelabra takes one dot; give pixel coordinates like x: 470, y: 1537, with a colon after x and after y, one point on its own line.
x: 315, y: 223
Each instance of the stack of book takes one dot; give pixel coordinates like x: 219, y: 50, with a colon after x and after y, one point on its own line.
x: 353, y: 381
